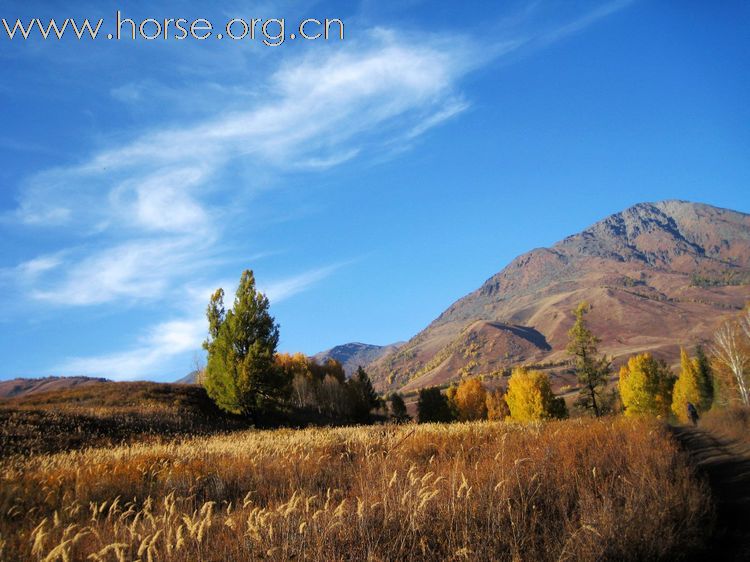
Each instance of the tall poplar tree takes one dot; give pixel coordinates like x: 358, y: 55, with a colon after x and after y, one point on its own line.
x: 687, y: 388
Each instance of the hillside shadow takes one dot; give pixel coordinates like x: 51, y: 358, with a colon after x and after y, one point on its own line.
x: 529, y: 334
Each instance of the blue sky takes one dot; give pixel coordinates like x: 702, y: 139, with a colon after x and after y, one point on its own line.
x: 369, y: 182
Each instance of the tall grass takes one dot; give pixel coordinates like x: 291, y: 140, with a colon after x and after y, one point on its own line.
x: 576, y: 490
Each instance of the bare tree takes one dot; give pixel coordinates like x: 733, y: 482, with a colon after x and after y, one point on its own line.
x: 729, y: 352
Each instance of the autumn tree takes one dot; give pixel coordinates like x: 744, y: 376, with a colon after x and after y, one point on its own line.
x: 334, y: 398
x: 687, y: 388
x: 398, y: 408
x: 433, y: 406
x: 470, y: 399
x: 497, y: 407
x: 307, y: 377
x: 241, y: 376
x: 530, y: 397
x: 592, y: 371
x: 646, y: 386
x: 450, y: 397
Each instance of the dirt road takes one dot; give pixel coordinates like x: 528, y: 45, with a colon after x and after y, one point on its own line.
x: 728, y: 472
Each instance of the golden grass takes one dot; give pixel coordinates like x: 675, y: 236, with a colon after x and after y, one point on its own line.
x: 576, y: 490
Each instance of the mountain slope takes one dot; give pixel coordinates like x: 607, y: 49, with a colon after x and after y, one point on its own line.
x: 16, y: 388
x: 658, y: 275
x: 352, y: 355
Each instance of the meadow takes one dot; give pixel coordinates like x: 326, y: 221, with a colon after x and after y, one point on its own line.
x: 584, y: 489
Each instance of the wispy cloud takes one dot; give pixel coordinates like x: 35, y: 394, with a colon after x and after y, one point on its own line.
x: 326, y: 109
x: 136, y: 270
x: 147, y: 214
x: 286, y: 288
x: 166, y: 341
x: 162, y: 343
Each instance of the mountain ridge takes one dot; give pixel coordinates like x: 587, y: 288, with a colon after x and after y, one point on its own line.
x: 355, y: 354
x: 687, y: 260
x: 20, y: 387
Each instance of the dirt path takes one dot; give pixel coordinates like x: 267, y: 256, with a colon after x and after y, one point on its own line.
x: 728, y: 473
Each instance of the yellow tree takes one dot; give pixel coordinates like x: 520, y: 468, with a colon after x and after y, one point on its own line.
x: 497, y: 407
x: 686, y: 388
x: 646, y: 386
x: 530, y: 397
x: 470, y: 400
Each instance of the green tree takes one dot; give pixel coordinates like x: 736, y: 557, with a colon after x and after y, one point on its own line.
x: 433, y: 406
x: 363, y: 396
x: 706, y: 382
x: 687, y: 388
x: 398, y: 408
x: 592, y: 371
x: 241, y: 375
x: 530, y: 397
x: 646, y: 386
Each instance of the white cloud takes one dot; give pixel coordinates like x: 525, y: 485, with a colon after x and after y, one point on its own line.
x: 152, y: 202
x: 317, y: 112
x: 135, y: 270
x: 169, y: 340
x: 163, y: 342
x: 286, y: 288
x: 42, y: 264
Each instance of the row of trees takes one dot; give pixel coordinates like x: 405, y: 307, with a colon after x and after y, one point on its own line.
x: 529, y: 397
x: 648, y: 386
x: 245, y: 375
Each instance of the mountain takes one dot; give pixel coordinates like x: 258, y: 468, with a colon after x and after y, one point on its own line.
x: 658, y: 275
x: 17, y: 388
x: 190, y: 378
x: 352, y: 355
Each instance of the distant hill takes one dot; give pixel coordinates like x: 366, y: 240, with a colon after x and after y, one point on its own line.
x: 658, y: 275
x: 190, y: 378
x: 22, y: 387
x: 352, y: 355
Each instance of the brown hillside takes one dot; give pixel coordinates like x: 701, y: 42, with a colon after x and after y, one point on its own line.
x: 658, y: 275
x: 24, y: 387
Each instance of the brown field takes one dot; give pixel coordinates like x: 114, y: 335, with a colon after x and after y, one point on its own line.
x: 613, y: 489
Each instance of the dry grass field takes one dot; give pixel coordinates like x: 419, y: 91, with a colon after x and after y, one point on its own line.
x: 613, y: 489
